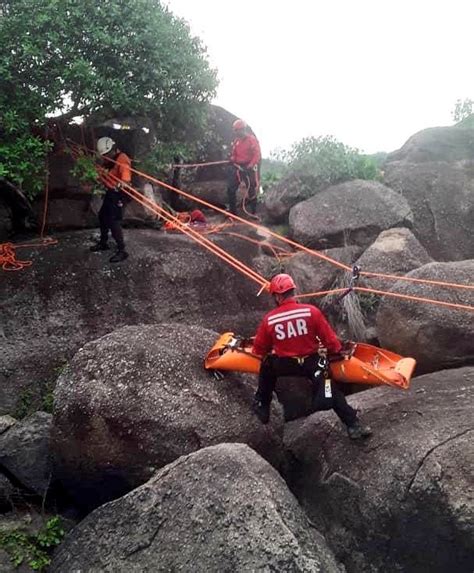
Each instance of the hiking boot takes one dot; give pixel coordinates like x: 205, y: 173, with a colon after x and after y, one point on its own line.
x: 262, y: 411
x: 358, y: 431
x: 99, y: 247
x: 118, y: 257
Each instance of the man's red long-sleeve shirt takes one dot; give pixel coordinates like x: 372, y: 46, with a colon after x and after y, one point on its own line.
x: 293, y: 329
x: 246, y: 151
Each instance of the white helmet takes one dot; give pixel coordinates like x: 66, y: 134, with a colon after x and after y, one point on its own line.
x: 104, y: 145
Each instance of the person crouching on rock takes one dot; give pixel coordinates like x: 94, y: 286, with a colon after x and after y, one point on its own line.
x: 292, y: 331
x: 111, y: 212
x: 245, y: 159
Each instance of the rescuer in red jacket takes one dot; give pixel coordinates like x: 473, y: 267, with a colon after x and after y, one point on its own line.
x: 289, y: 338
x: 245, y: 160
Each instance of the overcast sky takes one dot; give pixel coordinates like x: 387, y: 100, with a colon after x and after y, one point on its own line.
x: 369, y: 72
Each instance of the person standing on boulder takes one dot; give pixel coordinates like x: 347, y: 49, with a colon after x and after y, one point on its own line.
x: 245, y: 160
x: 288, y: 339
x: 111, y: 212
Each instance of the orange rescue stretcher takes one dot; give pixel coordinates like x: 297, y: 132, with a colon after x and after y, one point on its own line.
x: 364, y: 364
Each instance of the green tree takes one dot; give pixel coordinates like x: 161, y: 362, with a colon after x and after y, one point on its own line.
x: 60, y: 59
x: 323, y: 161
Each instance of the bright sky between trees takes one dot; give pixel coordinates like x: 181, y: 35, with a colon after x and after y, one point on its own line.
x: 369, y: 72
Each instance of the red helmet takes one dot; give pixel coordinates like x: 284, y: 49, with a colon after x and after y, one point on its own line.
x: 239, y: 124
x: 281, y: 283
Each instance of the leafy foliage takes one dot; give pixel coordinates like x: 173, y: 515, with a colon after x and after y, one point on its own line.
x: 22, y: 155
x: 322, y: 161
x: 35, y: 550
x: 65, y: 58
x: 272, y: 171
x: 328, y: 161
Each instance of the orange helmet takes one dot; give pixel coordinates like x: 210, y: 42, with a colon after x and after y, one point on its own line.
x: 281, y: 283
x: 239, y: 124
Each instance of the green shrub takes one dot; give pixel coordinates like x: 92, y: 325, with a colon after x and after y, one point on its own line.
x: 324, y: 161
x: 33, y: 549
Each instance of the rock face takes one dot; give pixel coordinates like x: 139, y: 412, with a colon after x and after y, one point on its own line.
x: 352, y: 213
x: 283, y: 196
x: 437, y: 144
x: 222, y: 509
x: 438, y: 337
x: 137, y: 399
x: 434, y: 171
x: 214, y: 192
x: 70, y: 296
x: 395, y: 252
x: 313, y: 274
x: 399, y: 501
x: 25, y: 453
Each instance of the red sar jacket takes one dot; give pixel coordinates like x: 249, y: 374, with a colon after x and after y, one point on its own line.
x: 293, y: 329
x: 246, y: 151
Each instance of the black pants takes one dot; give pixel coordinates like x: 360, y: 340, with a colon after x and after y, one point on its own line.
x: 250, y: 178
x: 274, y: 366
x: 110, y: 219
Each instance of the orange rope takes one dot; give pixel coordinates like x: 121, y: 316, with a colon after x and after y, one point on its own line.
x: 192, y: 165
x: 415, y: 280
x: 415, y: 298
x: 240, y: 219
x: 321, y: 293
x: 206, y: 243
x: 8, y: 260
x: 294, y: 243
x: 320, y: 255
x: 235, y: 217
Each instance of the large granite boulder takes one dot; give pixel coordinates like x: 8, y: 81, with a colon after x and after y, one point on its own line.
x: 313, y: 274
x: 434, y: 171
x: 222, y: 509
x: 281, y: 197
x: 137, y: 399
x: 395, y: 252
x: 70, y: 296
x: 401, y: 501
x: 352, y: 213
x: 437, y: 336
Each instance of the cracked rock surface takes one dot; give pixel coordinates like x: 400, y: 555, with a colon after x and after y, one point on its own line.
x: 222, y: 509
x: 139, y: 398
x: 402, y: 500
